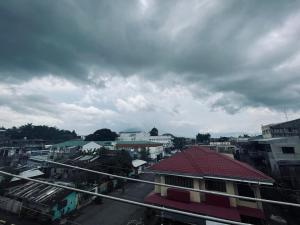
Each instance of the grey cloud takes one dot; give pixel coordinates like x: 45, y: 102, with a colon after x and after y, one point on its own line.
x: 29, y: 104
x: 75, y: 38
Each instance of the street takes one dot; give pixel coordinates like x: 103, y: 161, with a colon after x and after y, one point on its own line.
x: 116, y: 213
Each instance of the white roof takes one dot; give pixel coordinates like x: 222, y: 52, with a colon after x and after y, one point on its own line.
x: 28, y: 174
x: 90, y: 146
x: 138, y: 162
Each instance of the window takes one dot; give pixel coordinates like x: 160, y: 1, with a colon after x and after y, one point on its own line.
x: 245, y: 190
x: 179, y: 181
x: 215, y: 185
x: 288, y: 150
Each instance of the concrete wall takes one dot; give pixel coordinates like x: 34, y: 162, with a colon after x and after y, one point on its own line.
x: 163, y: 190
x: 230, y: 189
x: 72, y: 201
x: 157, y: 188
x: 195, y: 196
x: 155, y: 151
x: 276, y: 146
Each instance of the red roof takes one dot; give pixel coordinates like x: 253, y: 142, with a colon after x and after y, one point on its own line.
x: 231, y: 213
x: 200, y: 161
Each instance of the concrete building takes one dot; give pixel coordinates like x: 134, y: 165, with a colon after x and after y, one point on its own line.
x: 138, y: 166
x: 132, y: 136
x: 284, y: 129
x: 201, y: 168
x: 166, y: 140
x: 279, y: 157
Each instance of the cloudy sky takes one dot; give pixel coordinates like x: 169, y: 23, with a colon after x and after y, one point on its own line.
x: 182, y: 66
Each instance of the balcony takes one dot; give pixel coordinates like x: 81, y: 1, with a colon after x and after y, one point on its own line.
x: 210, y: 207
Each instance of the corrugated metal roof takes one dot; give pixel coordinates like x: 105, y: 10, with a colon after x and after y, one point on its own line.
x: 71, y: 143
x: 137, y: 143
x: 28, y: 174
x: 36, y: 192
x: 138, y: 162
x: 80, y: 143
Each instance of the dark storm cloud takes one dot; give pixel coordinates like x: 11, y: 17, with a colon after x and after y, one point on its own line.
x: 213, y: 45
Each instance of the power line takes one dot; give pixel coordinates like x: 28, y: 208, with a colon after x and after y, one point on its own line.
x: 128, y: 201
x: 178, y: 187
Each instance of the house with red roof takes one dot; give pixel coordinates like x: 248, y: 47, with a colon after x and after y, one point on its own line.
x: 201, y: 168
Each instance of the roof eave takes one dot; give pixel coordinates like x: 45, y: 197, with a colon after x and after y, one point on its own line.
x: 235, y: 179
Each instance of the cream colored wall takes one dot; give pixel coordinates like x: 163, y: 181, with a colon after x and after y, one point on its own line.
x: 230, y: 189
x: 247, y: 204
x: 163, y: 190
x: 157, y: 187
x: 195, y: 196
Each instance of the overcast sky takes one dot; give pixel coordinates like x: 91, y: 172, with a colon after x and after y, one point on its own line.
x: 182, y: 66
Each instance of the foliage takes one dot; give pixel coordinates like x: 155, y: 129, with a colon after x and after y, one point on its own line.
x: 144, y: 154
x: 179, y: 142
x: 203, y: 138
x: 119, y: 164
x: 51, y: 134
x: 154, y: 132
x: 224, y: 139
x: 244, y: 136
x: 102, y: 135
x: 102, y: 151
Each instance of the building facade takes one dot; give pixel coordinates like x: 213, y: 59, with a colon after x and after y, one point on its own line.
x: 166, y: 140
x: 201, y: 168
x: 278, y: 157
x: 285, y: 129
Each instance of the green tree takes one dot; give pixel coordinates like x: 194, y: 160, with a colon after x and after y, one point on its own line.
x: 203, y: 138
x: 179, y: 142
x: 154, y: 132
x: 144, y: 154
x: 102, y: 151
x: 102, y: 135
x: 224, y: 139
x: 50, y: 134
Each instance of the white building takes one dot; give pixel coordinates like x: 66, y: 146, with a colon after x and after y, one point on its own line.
x: 166, y: 140
x: 133, y: 136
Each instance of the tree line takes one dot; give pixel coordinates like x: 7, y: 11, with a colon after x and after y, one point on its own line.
x: 50, y: 134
